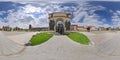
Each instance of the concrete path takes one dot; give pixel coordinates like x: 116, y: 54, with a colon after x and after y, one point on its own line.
x: 100, y: 37
x: 8, y: 47
x: 21, y: 38
x: 111, y: 47
x: 107, y: 43
x: 60, y: 48
x: 57, y: 48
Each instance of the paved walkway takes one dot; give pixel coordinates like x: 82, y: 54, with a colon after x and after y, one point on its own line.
x: 57, y: 48
x: 107, y: 43
x: 21, y: 38
x: 8, y: 47
x: 60, y: 48
x: 100, y: 37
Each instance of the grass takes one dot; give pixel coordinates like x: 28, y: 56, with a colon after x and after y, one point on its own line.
x: 79, y: 37
x: 40, y: 38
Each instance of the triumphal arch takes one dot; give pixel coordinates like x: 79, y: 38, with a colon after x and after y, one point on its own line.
x: 59, y: 22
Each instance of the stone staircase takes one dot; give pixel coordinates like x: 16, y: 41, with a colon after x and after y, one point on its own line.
x: 55, y: 33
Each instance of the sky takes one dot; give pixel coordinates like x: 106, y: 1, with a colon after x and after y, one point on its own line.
x: 20, y: 13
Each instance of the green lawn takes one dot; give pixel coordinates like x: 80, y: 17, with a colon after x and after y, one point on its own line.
x: 79, y: 37
x: 40, y: 38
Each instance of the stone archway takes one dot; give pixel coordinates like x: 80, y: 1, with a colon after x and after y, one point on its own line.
x: 54, y: 18
x: 60, y: 26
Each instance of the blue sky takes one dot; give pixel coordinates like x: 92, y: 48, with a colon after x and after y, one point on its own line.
x: 85, y: 13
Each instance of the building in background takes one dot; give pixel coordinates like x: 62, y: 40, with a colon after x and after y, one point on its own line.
x: 93, y: 28
x: 0, y: 29
x: 17, y: 29
x: 118, y: 28
x: 108, y: 29
x: 78, y: 28
x: 73, y: 27
x: 81, y: 28
x: 101, y: 28
x: 37, y: 28
x: 6, y: 28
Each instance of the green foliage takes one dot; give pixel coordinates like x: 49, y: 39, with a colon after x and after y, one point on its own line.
x: 79, y: 37
x: 14, y: 29
x: 9, y: 29
x: 40, y: 38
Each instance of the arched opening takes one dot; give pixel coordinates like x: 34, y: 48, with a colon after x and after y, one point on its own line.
x: 60, y: 27
x: 61, y: 22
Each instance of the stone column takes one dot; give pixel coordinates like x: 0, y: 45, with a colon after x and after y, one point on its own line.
x: 55, y: 28
x: 64, y: 27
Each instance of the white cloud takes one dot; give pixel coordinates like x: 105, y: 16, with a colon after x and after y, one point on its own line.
x: 90, y: 18
x: 10, y: 11
x: 2, y: 12
x: 79, y: 15
x: 118, y: 12
x: 31, y: 9
x: 25, y: 15
x: 55, y: 1
x: 2, y: 23
x: 116, y: 19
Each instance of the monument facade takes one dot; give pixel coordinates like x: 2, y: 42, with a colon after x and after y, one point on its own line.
x: 59, y: 22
